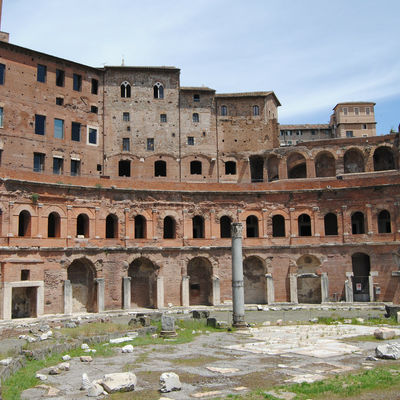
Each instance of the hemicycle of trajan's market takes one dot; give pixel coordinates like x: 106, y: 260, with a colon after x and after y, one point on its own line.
x: 118, y: 188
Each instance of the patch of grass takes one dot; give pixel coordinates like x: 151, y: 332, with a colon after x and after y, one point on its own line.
x: 367, y: 321
x: 139, y: 395
x: 93, y: 329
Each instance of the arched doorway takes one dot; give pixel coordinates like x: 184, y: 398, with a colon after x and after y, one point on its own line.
x: 308, y: 282
x: 53, y: 225
x: 325, y: 165
x: 254, y: 281
x: 199, y: 272
x: 81, y: 274
x: 361, y: 271
x: 296, y: 166
x: 143, y: 274
x: 383, y: 159
x: 353, y: 161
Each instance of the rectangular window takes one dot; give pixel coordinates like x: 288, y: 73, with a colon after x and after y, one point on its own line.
x: 2, y: 73
x: 163, y: 118
x: 282, y: 133
x: 367, y: 110
x: 150, y: 144
x: 349, y: 133
x: 126, y: 144
x: 190, y: 141
x: 364, y: 126
x: 77, y: 82
x: 60, y: 77
x: 41, y: 73
x: 289, y: 133
x: 76, y: 131
x: 313, y: 132
x: 75, y: 167
x: 1, y: 117
x: 344, y: 110
x: 256, y: 110
x: 40, y: 124
x: 38, y: 162
x: 94, y: 109
x: 92, y: 135
x: 126, y: 117
x: 95, y: 86
x: 224, y: 111
x: 59, y: 101
x: 57, y: 165
x: 196, y: 97
x: 195, y: 117
x: 58, y: 128
x: 356, y: 111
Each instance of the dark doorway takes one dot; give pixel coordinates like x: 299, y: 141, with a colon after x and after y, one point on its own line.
x: 278, y: 226
x: 198, y: 227
x: 225, y: 226
x: 304, y: 222
x: 361, y: 271
x: 82, y: 225
x: 111, y: 226
x: 24, y: 223
x: 140, y: 227
x: 124, y: 168
x: 53, y: 225
x: 357, y: 223
x: 330, y: 224
x: 257, y: 169
x: 199, y: 272
x: 169, y: 228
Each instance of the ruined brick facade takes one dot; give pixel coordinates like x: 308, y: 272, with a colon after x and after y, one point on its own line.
x: 118, y: 187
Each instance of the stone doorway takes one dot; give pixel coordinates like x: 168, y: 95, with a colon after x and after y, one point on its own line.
x: 200, y: 285
x: 24, y: 301
x: 143, y: 274
x: 254, y: 281
x: 361, y: 272
x: 308, y: 281
x: 81, y: 274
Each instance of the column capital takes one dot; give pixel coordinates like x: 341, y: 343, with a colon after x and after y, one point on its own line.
x: 237, y: 230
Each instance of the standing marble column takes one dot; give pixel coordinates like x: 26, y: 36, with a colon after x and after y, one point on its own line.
x: 67, y: 297
x: 126, y: 292
x: 237, y: 276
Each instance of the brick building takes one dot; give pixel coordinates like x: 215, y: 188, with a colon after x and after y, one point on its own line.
x: 118, y: 187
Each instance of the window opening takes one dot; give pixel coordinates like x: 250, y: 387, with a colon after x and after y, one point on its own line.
x: 92, y: 136
x: 190, y: 141
x: 53, y: 225
x: 278, y: 226
x: 169, y: 228
x: 140, y: 227
x: 38, y: 162
x: 82, y: 225
x: 75, y: 167
x: 225, y: 226
x: 60, y: 77
x: 158, y: 90
x: 126, y: 144
x: 384, y: 225
x: 76, y: 131
x: 160, y: 168
x: 195, y: 167
x: 198, y: 227
x: 230, y: 168
x: 304, y: 225
x: 111, y: 226
x: 330, y: 224
x: 195, y: 117
x: 357, y: 223
x: 40, y: 124
x: 163, y: 118
x: 58, y: 128
x: 224, y: 111
x: 150, y: 144
x: 256, y: 110
x: 126, y: 117
x: 95, y: 86
x: 124, y: 168
x: 77, y: 82
x: 251, y: 226
x: 58, y: 165
x: 125, y: 89
x: 41, y: 73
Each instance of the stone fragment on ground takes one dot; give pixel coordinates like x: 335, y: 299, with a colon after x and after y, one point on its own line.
x: 123, y: 339
x: 119, y: 382
x: 202, y: 395
x: 127, y: 349
x: 54, y: 371
x: 388, y: 351
x: 41, y: 377
x: 95, y: 390
x: 64, y: 366
x: 222, y: 370
x: 84, y: 346
x: 85, y: 385
x: 67, y: 357
x: 6, y: 361
x: 169, y: 382
x: 384, y: 333
x: 86, y: 358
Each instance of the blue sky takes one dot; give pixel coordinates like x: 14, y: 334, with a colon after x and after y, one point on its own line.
x: 312, y: 53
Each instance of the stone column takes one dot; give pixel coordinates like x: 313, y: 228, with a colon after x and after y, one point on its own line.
x: 96, y: 224
x: 126, y: 282
x: 371, y: 288
x: 216, y: 293
x: 348, y: 287
x: 7, y: 300
x: 324, y: 288
x: 293, y: 288
x: 67, y: 297
x: 160, y: 292
x: 270, y: 289
x: 100, y: 294
x: 185, y: 291
x: 40, y: 300
x: 237, y: 276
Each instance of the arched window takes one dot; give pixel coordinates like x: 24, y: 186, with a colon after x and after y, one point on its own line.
x: 384, y: 225
x: 296, y: 166
x: 278, y: 226
x: 158, y: 90
x: 230, y: 168
x: 53, y: 225
x: 169, y: 228
x: 24, y: 223
x: 325, y: 165
x: 160, y: 168
x: 195, y: 117
x: 257, y: 168
x: 140, y: 227
x: 198, y: 227
x: 225, y: 226
x: 357, y: 223
x: 251, y: 226
x: 111, y: 226
x: 353, y: 161
x: 195, y: 167
x: 224, y: 111
x: 256, y: 110
x: 124, y: 168
x: 82, y: 225
x: 304, y: 225
x: 383, y: 159
x: 330, y: 223
x: 125, y: 89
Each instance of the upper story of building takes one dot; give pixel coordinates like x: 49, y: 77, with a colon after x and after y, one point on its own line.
x: 349, y: 119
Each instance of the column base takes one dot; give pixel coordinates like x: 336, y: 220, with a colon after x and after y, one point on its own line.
x: 168, y: 334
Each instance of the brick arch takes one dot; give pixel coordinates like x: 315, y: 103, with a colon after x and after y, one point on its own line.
x: 325, y: 164
x: 24, y: 207
x: 254, y: 269
x: 354, y: 160
x: 49, y: 209
x: 200, y: 270
x: 296, y: 164
x: 382, y: 161
x: 82, y: 210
